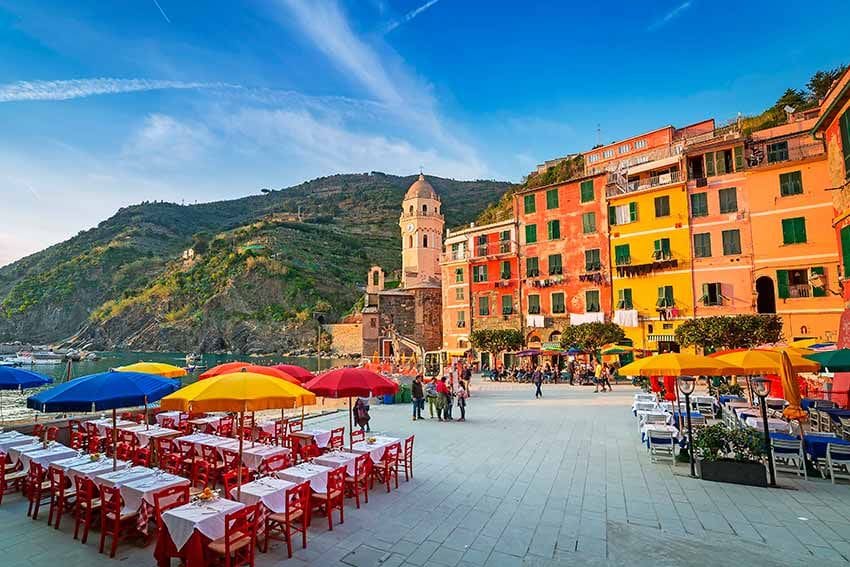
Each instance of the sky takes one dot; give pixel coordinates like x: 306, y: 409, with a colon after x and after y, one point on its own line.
x: 106, y: 104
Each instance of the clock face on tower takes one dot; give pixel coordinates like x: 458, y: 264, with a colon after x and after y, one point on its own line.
x: 410, y: 227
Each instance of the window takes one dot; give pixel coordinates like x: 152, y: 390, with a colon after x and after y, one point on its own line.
x: 484, y: 305
x: 552, y: 198
x: 507, y: 304
x: 624, y: 299
x: 622, y: 214
x: 777, y: 151
x: 790, y: 183
x: 665, y: 296
x: 424, y: 209
x: 699, y: 205
x: 458, y: 275
x: 794, y: 230
x: 504, y: 241
x: 591, y: 301
x: 662, y: 206
x: 376, y: 278
x: 586, y: 190
x: 505, y: 272
x: 702, y: 245
x: 530, y: 233
x: 728, y: 200
x: 622, y: 255
x: 592, y: 261
x: 459, y: 294
x: 424, y: 241
x: 608, y: 154
x: 661, y: 249
x: 479, y: 273
x: 558, y: 305
x: 625, y: 148
x: 555, y: 266
x: 593, y: 158
x: 709, y: 164
x: 529, y: 206
x: 553, y: 228
x: 739, y: 157
x: 795, y: 283
x: 711, y: 294
x: 532, y: 267
x: 410, y: 241
x: 461, y: 318
x: 588, y: 223
x: 534, y: 304
x: 844, y: 128
x: 731, y: 242
x: 640, y: 144
x: 845, y: 250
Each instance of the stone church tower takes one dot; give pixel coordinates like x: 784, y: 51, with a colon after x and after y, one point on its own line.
x: 421, y: 224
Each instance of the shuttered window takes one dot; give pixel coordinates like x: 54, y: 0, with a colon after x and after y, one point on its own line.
x: 709, y: 164
x: 731, y: 242
x: 623, y: 214
x: 739, y: 158
x: 794, y: 230
x: 711, y: 294
x: 553, y: 228
x: 845, y: 250
x: 587, y: 194
x: 790, y: 183
x: 459, y: 275
x: 552, y: 199
x: 591, y: 301
x: 530, y: 233
x: 507, y: 304
x: 702, y: 245
x: 624, y: 299
x: 529, y: 206
x: 782, y: 284
x: 479, y: 273
x: 699, y: 204
x: 661, y: 249
x: 665, y: 296
x: 484, y: 305
x: 592, y: 262
x: 777, y: 152
x: 818, y: 290
x: 534, y: 304
x: 558, y: 305
x: 555, y: 265
x: 505, y: 272
x: 728, y: 200
x: 662, y: 206
x: 844, y: 127
x: 532, y: 267
x: 622, y: 255
x: 588, y: 223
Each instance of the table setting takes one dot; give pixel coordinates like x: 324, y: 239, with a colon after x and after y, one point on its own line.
x: 138, y: 494
x: 316, y: 475
x: 144, y: 432
x: 15, y: 439
x: 104, y: 423
x: 124, y: 476
x: 94, y: 467
x: 41, y: 455
x: 175, y: 415
x: 336, y: 459
x: 375, y: 445
x: 189, y: 528
x: 268, y: 490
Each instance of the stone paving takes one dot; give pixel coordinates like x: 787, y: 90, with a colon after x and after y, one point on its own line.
x: 557, y: 481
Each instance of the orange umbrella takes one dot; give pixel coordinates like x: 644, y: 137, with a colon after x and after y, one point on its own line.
x: 791, y: 390
x: 232, y: 367
x: 225, y: 368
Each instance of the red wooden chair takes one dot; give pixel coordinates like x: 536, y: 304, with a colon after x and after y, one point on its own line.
x: 164, y: 445
x: 11, y: 478
x: 231, y: 479
x: 75, y: 425
x: 92, y: 430
x: 238, y: 545
x: 38, y: 489
x: 295, y: 425
x: 279, y: 431
x: 94, y: 444
x: 231, y: 459
x: 168, y: 423
x: 128, y: 437
x: 388, y: 467
x: 200, y: 476
x: 293, y: 519
x: 214, y: 461
x: 334, y: 498
x: 52, y: 433
x: 123, y: 451
x: 171, y: 463
x: 61, y: 496
x: 188, y: 454
x: 165, y: 500
x: 309, y: 451
x: 85, y: 504
x: 112, y: 522
x: 37, y: 430
x: 359, y: 483
x: 357, y: 436
x: 405, y: 461
x: 77, y: 440
x: 126, y: 416
x: 275, y: 463
x: 142, y: 457
x: 337, y: 440
x: 225, y: 426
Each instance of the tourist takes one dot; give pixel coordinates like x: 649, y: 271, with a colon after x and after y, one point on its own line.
x: 537, y: 380
x: 361, y: 413
x: 418, y: 394
x: 597, y: 376
x: 571, y: 371
x: 447, y: 410
x: 443, y: 397
x: 433, y: 397
x: 606, y: 377
x: 462, y: 394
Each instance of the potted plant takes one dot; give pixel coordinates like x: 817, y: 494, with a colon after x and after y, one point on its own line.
x: 730, y: 455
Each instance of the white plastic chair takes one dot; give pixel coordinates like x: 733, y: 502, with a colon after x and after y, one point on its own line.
x: 837, y: 461
x: 845, y: 427
x: 645, y: 398
x: 656, y: 418
x: 644, y: 406
x: 814, y: 419
x: 788, y: 456
x: 662, y: 445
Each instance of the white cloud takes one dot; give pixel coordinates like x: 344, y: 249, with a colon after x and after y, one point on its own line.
x: 164, y: 141
x: 664, y: 20
x: 410, y: 15
x: 80, y: 88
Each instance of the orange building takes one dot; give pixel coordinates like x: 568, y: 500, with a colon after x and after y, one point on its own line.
x: 456, y: 296
x: 565, y: 255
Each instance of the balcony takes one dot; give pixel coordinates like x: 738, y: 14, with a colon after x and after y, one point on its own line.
x: 768, y: 153
x: 663, y: 262
x: 407, y: 215
x: 799, y: 290
x: 617, y: 188
x: 454, y: 256
x: 495, y: 248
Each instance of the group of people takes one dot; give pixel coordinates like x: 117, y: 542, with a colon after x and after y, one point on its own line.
x: 441, y: 396
x: 599, y: 374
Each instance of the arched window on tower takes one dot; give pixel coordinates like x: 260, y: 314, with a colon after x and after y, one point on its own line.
x: 410, y: 241
x: 411, y: 209
x: 375, y: 277
x: 424, y: 209
x: 424, y: 241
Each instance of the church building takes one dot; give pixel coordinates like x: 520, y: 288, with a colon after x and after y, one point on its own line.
x: 407, y: 320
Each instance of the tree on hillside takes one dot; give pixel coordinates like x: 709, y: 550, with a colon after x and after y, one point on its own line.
x: 496, y: 341
x: 590, y: 337
x: 730, y: 332
x: 820, y: 82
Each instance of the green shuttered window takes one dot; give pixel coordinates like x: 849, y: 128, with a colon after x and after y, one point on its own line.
x: 529, y: 206
x: 587, y: 194
x: 794, y: 230
x: 552, y: 199
x: 699, y: 205
x: 530, y: 233
x: 790, y: 183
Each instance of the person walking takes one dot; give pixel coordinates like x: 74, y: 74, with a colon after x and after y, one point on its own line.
x: 447, y: 411
x: 597, y: 376
x: 606, y: 377
x: 443, y: 398
x: 462, y: 395
x: 571, y: 370
x: 361, y: 414
x: 537, y: 380
x: 418, y: 394
x: 433, y: 397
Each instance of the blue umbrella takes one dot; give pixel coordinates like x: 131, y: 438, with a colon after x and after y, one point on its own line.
x: 107, y: 390
x: 17, y: 379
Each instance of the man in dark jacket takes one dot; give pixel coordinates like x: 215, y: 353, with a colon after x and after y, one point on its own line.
x: 418, y: 395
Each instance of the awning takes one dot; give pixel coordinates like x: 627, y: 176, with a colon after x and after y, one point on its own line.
x: 650, y: 165
x: 662, y: 338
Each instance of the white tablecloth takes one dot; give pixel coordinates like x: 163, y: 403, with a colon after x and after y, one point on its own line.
x: 321, y: 436
x: 137, y: 491
x: 338, y: 459
x: 121, y: 477
x: 269, y: 490
x: 207, y: 518
x: 316, y: 475
x: 175, y: 415
x: 42, y: 456
x: 66, y: 464
x: 145, y: 433
x: 18, y: 440
x: 252, y: 453
x: 211, y: 420
x: 93, y: 469
x: 376, y: 450
x: 773, y: 424
x: 642, y: 415
x: 106, y: 422
x: 644, y: 429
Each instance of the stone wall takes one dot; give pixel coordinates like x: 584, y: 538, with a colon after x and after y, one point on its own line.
x: 347, y: 337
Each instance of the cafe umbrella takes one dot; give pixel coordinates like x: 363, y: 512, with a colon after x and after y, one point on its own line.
x: 104, y: 391
x: 230, y: 367
x: 20, y: 379
x: 295, y: 371
x: 158, y: 368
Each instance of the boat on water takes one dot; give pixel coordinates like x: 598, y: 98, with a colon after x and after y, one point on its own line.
x: 30, y: 358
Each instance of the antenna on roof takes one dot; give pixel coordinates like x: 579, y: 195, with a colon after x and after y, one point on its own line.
x: 598, y: 134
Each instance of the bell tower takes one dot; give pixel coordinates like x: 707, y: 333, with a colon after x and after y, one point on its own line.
x: 421, y: 225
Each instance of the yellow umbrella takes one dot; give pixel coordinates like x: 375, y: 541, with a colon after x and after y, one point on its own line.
x: 680, y: 364
x: 158, y: 368
x: 790, y: 389
x: 760, y: 361
x: 804, y: 343
x: 238, y: 392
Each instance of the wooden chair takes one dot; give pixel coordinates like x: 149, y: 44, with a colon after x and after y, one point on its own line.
x: 200, y: 477
x: 38, y: 430
x: 357, y: 435
x: 38, y: 489
x: 275, y: 463
x: 334, y: 498
x: 293, y: 519
x: 142, y: 457
x: 188, y: 455
x: 77, y: 440
x: 308, y: 451
x: 112, y: 522
x: 337, y: 440
x: 129, y: 438
x: 838, y: 461
x: 168, y: 423
x: 165, y: 500
x: 171, y: 463
x: 225, y: 426
x: 230, y: 479
x: 61, y: 496
x: 405, y: 461
x: 52, y: 433
x: 84, y: 506
x: 123, y: 452
x: 164, y: 445
x: 216, y: 464
x: 11, y: 478
x: 814, y: 419
x: 237, y: 547
x: 387, y: 469
x: 231, y: 459
x: 359, y: 483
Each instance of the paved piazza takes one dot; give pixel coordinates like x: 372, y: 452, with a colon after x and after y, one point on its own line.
x: 558, y: 481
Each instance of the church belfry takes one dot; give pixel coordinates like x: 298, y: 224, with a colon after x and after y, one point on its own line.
x: 421, y: 225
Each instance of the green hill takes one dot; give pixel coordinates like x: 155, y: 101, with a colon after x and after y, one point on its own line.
x: 258, y: 273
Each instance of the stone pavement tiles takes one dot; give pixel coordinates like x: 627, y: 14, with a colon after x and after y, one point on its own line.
x: 557, y: 481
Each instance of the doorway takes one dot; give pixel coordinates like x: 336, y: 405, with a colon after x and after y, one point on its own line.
x: 765, y: 295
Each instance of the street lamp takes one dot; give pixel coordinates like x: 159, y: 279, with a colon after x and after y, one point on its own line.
x: 320, y: 320
x: 761, y: 387
x: 686, y: 386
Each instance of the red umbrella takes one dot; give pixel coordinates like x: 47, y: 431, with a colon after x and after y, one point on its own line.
x: 231, y: 367
x: 225, y: 368
x: 350, y: 382
x: 296, y: 371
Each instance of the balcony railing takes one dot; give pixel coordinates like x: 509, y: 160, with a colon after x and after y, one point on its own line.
x: 496, y: 248
x: 454, y: 255
x: 799, y: 290
x: 647, y: 183
x: 763, y: 154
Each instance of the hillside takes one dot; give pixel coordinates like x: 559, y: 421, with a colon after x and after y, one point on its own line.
x: 258, y: 274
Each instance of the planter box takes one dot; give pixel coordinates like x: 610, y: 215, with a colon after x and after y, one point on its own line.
x: 735, y: 472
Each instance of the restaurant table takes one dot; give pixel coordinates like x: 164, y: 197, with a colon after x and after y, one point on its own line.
x: 684, y: 417
x: 208, y: 422
x: 813, y: 445
x: 727, y: 398
x: 92, y: 469
x: 270, y: 491
x: 836, y: 413
x: 37, y: 452
x: 69, y: 462
x: 138, y: 494
x: 658, y: 427
x: 105, y: 423
x: 121, y: 477
x: 253, y: 453
x: 642, y: 415
x: 8, y: 440
x: 316, y: 475
x: 175, y: 415
x: 144, y: 433
x: 336, y: 459
x: 773, y: 424
x: 376, y: 450
x: 190, y: 528
x: 321, y: 437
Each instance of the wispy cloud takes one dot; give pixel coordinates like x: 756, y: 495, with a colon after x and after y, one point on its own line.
x: 80, y: 88
x: 410, y: 15
x: 161, y: 11
x: 669, y: 16
x: 164, y: 141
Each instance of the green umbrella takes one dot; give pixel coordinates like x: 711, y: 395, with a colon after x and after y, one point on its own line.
x: 833, y: 360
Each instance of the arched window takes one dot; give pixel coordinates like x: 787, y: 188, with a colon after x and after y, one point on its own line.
x: 424, y: 241
x: 375, y: 277
x: 410, y: 241
x: 411, y: 209
x: 424, y: 209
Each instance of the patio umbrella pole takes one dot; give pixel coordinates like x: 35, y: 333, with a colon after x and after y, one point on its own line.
x: 114, y: 439
x: 147, y: 418
x: 350, y: 424
x: 239, y: 464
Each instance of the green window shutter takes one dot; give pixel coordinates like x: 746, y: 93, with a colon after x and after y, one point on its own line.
x: 612, y: 216
x: 529, y: 205
x: 739, y: 158
x: 558, y: 303
x: 532, y: 267
x: 591, y: 301
x: 790, y: 183
x: 588, y: 223
x: 622, y: 254
x: 507, y: 304
x: 665, y: 247
x: 668, y: 295
x: 782, y: 284
x: 702, y: 245
x: 587, y: 191
x: 483, y: 305
x: 506, y: 270
x: 731, y: 242
x: 844, y: 128
x: 818, y: 291
x: 699, y: 204
x: 552, y: 198
x: 728, y: 199
x: 845, y: 250
x: 662, y: 206
x: 801, y: 230
x: 720, y: 161
x: 709, y: 164
x: 627, y: 298
x: 787, y: 232
x: 633, y: 211
x: 704, y: 297
x: 534, y: 304
x: 794, y: 230
x: 530, y: 233
x: 553, y: 229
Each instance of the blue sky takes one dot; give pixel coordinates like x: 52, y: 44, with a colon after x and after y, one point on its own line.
x: 104, y: 104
